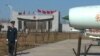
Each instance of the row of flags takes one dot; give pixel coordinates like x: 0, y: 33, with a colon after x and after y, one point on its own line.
x: 39, y: 11
x: 46, y: 11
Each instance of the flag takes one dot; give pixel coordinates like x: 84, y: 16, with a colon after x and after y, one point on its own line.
x: 48, y: 12
x: 53, y: 12
x: 23, y: 12
x: 44, y: 12
x: 39, y: 10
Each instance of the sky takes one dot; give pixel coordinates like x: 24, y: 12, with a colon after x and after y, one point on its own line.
x: 32, y: 5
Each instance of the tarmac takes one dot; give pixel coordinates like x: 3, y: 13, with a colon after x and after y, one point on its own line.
x: 62, y: 48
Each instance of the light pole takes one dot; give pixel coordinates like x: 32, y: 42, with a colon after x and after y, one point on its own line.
x: 11, y: 9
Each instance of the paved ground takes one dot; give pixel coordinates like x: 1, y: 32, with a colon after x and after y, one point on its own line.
x: 62, y: 48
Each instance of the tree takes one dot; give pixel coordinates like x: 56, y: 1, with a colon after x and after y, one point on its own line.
x: 66, y: 17
x: 1, y: 26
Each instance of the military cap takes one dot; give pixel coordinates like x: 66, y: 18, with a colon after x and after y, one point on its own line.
x: 12, y: 22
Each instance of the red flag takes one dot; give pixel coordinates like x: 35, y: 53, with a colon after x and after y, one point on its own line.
x: 48, y: 12
x: 53, y: 12
x: 44, y: 12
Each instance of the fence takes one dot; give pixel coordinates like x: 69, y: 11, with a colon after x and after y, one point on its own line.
x: 33, y: 39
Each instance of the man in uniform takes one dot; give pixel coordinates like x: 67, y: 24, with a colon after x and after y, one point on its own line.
x: 11, y: 38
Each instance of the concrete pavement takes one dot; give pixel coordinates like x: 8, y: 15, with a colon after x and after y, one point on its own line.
x: 62, y: 48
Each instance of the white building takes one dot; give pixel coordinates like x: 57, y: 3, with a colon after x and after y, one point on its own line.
x: 36, y: 22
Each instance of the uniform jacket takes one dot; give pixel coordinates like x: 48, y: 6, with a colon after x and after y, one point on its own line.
x: 11, y: 34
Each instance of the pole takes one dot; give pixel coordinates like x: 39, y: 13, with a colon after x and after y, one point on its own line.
x: 11, y: 9
x: 15, y: 54
x: 79, y: 45
x: 79, y: 42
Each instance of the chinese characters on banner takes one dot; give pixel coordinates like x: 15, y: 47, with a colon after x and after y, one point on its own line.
x: 98, y: 17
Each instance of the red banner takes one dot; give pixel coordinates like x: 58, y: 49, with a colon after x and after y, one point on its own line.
x: 46, y: 11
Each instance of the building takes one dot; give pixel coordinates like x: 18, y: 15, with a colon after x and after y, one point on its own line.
x: 36, y: 22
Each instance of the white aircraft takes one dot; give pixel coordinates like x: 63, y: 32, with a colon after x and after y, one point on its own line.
x: 86, y: 17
